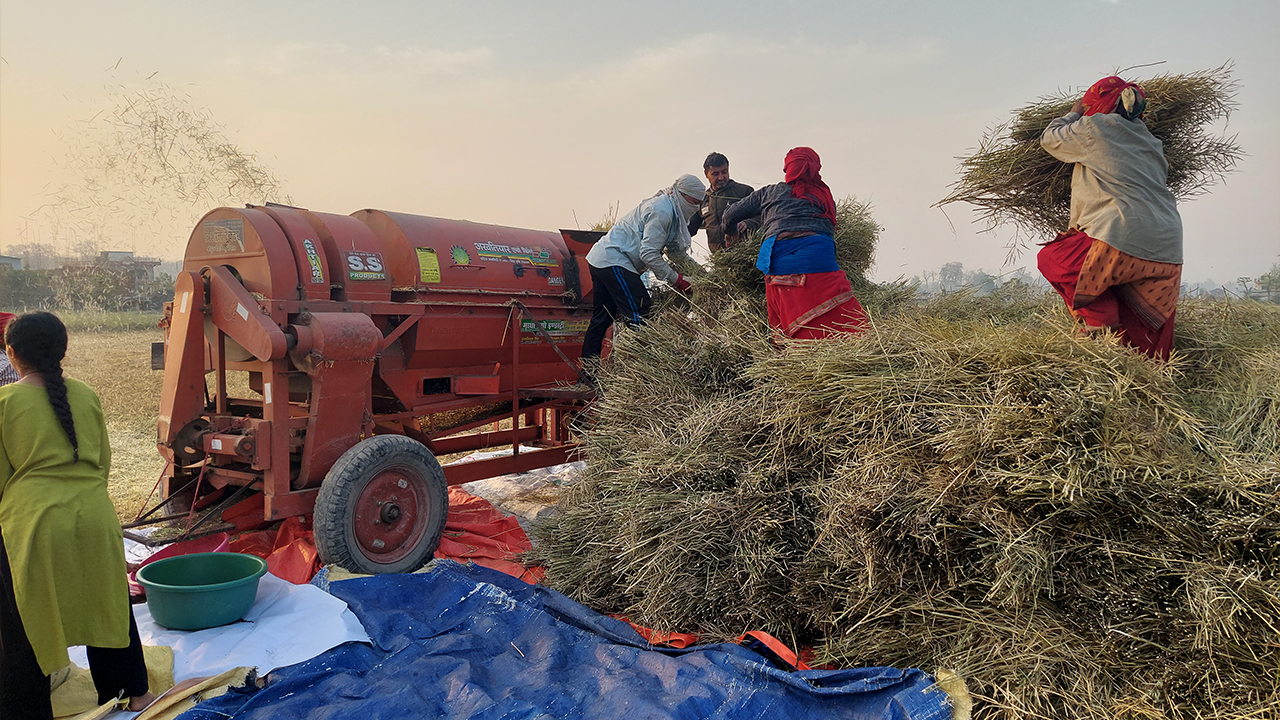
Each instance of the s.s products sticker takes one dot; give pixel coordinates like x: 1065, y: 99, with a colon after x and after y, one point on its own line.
x: 366, y: 266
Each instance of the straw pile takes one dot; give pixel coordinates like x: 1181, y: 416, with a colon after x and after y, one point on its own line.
x: 1013, y: 180
x: 733, y: 272
x: 1080, y: 532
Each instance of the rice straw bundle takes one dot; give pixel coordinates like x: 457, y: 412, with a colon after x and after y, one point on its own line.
x: 1014, y: 180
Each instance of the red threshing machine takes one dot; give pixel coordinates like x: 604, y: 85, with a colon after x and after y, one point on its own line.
x: 324, y: 361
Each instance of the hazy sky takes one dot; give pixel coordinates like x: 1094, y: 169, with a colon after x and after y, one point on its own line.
x: 536, y: 113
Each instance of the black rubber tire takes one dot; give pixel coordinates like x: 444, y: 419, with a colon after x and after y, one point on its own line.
x: 340, y: 493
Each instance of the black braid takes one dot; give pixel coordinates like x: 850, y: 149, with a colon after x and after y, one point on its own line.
x: 57, y: 390
x: 39, y: 339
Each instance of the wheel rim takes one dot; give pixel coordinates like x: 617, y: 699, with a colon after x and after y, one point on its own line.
x: 391, y: 515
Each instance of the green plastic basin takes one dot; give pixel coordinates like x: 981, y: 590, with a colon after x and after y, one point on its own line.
x: 201, y: 590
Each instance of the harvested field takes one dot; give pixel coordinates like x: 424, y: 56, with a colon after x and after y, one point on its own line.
x: 1078, y: 531
x: 117, y: 365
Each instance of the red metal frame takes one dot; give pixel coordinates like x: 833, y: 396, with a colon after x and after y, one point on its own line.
x: 333, y: 358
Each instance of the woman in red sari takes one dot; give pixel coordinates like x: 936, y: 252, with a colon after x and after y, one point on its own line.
x: 1119, y: 264
x: 807, y: 293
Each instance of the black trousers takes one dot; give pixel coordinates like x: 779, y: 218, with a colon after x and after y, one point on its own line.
x: 24, y: 689
x: 619, y: 295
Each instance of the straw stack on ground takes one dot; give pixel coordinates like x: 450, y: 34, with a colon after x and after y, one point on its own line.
x: 973, y: 485
x: 1013, y: 180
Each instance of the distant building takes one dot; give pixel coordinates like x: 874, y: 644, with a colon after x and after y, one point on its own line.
x: 8, y: 262
x: 114, y: 277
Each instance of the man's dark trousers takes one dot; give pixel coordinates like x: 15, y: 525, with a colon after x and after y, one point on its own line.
x: 619, y: 295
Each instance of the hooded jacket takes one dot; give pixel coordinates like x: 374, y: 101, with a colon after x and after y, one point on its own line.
x: 638, y: 240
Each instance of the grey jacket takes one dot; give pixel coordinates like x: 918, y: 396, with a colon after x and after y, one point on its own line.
x: 1118, y: 187
x: 779, y: 212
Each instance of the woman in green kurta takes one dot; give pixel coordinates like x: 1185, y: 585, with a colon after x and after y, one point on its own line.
x: 65, y: 569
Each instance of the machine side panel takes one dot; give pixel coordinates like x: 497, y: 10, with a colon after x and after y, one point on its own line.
x: 250, y: 241
x: 359, y: 261
x: 182, y: 395
x: 340, y: 364
x: 314, y: 272
x: 434, y: 255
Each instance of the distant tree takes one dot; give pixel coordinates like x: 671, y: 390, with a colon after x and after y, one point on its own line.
x: 153, y: 295
x: 951, y: 276
x: 35, y: 256
x: 1245, y: 283
x: 981, y: 282
x: 928, y: 281
x: 1270, y: 283
x: 86, y: 249
x: 26, y: 289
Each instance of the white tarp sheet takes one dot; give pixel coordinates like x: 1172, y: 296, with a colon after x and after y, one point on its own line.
x: 287, y: 624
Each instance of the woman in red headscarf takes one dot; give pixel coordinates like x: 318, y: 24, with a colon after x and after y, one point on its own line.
x: 807, y: 293
x: 1119, y: 264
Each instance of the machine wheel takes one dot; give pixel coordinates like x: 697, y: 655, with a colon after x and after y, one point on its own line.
x: 382, y: 507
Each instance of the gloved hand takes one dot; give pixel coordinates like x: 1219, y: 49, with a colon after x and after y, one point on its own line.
x: 681, y: 284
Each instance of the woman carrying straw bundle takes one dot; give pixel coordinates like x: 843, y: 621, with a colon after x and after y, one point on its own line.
x: 807, y: 293
x: 62, y: 566
x: 1119, y: 263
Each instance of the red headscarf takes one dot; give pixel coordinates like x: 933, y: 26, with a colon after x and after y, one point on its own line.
x: 801, y: 168
x: 1105, y: 95
x: 4, y: 322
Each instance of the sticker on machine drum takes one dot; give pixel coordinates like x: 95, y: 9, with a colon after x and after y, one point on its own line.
x: 535, y: 256
x: 559, y: 330
x: 556, y: 281
x: 313, y: 259
x: 428, y: 265
x: 460, y: 255
x: 223, y: 236
x: 365, y: 266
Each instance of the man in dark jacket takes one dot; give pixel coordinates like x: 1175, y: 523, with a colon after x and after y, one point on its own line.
x: 723, y: 192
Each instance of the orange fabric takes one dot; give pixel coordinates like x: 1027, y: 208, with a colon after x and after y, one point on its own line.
x: 681, y: 640
x: 290, y: 550
x: 294, y: 557
x: 676, y: 640
x: 784, y: 653
x: 476, y: 532
x: 809, y: 657
x: 1120, y: 307
x: 1150, y: 287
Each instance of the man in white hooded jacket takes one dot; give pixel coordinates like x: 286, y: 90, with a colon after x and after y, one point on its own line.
x: 641, y: 240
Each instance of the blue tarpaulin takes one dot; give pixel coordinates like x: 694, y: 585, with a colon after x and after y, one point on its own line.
x: 463, y: 641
